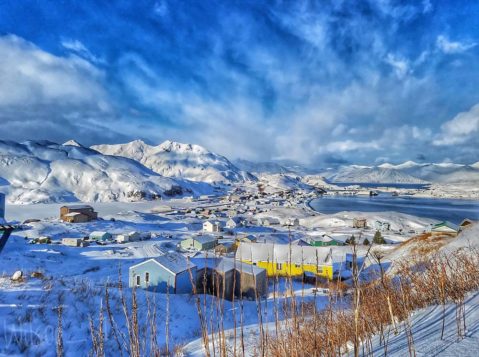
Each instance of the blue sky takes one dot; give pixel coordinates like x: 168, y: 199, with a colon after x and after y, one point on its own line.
x: 322, y: 83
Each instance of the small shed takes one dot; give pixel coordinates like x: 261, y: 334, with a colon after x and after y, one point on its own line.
x: 75, y: 217
x: 100, y: 236
x: 170, y: 272
x: 72, y: 242
x: 199, y: 243
x: 382, y: 226
x: 324, y: 241
x: 233, y: 222
x: 360, y: 223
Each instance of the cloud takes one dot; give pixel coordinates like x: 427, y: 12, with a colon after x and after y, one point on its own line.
x: 79, y: 49
x: 463, y: 128
x: 450, y: 47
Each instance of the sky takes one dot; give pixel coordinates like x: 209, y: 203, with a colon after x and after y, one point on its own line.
x: 316, y: 82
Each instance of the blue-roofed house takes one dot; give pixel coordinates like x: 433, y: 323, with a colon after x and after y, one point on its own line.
x: 170, y: 272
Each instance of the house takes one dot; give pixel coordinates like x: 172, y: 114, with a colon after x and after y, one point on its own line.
x: 291, y: 222
x: 301, y: 242
x: 464, y: 224
x: 212, y: 226
x: 382, y: 226
x: 268, y: 221
x: 226, y: 278
x: 445, y: 228
x: 233, y: 222
x: 324, y: 241
x: 225, y: 248
x: 250, y: 238
x: 100, y: 236
x: 171, y: 273
x: 122, y: 238
x: 77, y: 213
x: 359, y: 223
x: 198, y: 243
x: 287, y: 260
x: 128, y: 237
x: 74, y: 242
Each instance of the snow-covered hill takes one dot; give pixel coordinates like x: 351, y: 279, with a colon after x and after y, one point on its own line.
x: 262, y: 167
x: 173, y: 159
x: 407, y: 172
x: 364, y: 174
x: 438, y: 173
x: 43, y: 171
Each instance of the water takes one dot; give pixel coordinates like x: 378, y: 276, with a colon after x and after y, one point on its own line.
x: 452, y: 210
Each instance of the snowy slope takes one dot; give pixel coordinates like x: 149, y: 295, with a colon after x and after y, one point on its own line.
x: 42, y: 171
x: 173, y: 159
x: 262, y: 167
x: 364, y: 174
x: 439, y: 173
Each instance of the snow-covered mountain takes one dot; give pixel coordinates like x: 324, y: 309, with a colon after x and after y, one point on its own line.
x: 261, y: 167
x: 438, y: 173
x: 407, y: 172
x: 173, y: 159
x: 366, y: 174
x: 43, y: 171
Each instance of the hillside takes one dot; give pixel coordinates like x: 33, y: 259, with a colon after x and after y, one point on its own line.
x: 45, y: 172
x: 362, y: 174
x: 173, y: 159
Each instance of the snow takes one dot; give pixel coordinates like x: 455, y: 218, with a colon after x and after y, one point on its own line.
x: 173, y: 159
x: 45, y: 172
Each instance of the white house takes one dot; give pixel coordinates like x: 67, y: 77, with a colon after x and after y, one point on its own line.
x: 212, y: 227
x: 233, y: 222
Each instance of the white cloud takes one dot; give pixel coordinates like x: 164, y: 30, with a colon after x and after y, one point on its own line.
x: 32, y: 77
x: 461, y: 129
x: 80, y: 49
x: 400, y: 65
x: 447, y: 46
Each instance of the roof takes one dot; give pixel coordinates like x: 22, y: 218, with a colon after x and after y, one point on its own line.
x: 204, y: 239
x: 446, y: 224
x: 224, y: 265
x: 98, y: 233
x: 175, y: 263
x: 284, y: 253
x: 73, y: 214
x: 78, y: 207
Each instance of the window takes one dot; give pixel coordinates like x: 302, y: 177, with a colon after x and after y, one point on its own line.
x: 297, y: 266
x: 147, y: 277
x: 138, y: 280
x: 279, y: 266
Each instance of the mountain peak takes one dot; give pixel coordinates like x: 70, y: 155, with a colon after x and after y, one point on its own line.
x: 72, y: 143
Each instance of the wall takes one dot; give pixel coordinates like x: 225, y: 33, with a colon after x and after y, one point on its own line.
x: 325, y: 271
x: 160, y: 278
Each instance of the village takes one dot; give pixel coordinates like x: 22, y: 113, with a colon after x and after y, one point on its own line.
x: 245, y: 239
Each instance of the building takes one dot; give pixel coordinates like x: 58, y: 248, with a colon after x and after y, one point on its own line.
x: 74, y: 242
x: 100, y: 236
x: 233, y: 222
x: 199, y: 243
x: 268, y: 221
x: 212, y: 226
x: 77, y: 213
x: 287, y: 260
x: 227, y: 278
x: 291, y: 222
x: 360, y: 223
x: 5, y: 231
x: 171, y: 273
x: 324, y: 241
x: 445, y: 228
x: 382, y: 226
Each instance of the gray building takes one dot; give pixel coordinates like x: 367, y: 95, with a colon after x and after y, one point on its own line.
x: 171, y: 272
x: 225, y: 278
x: 199, y: 243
